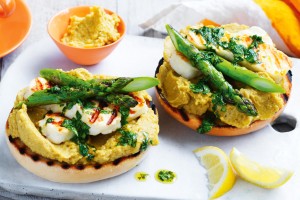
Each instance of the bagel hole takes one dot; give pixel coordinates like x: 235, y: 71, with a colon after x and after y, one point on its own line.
x: 284, y: 123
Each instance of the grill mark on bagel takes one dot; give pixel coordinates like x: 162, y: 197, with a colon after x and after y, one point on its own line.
x: 117, y: 161
x: 285, y: 97
x: 50, y: 162
x: 135, y: 155
x: 80, y: 166
x: 18, y: 144
x: 35, y: 157
x: 289, y: 75
x: 65, y: 166
x: 160, y: 62
x: 25, y: 151
x: 11, y: 139
x: 183, y: 115
x: 97, y: 166
x: 22, y: 150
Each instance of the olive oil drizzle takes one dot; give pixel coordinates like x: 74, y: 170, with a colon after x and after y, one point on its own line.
x: 165, y: 176
x: 141, y: 176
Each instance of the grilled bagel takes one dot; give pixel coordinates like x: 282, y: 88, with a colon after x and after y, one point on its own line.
x: 46, y: 150
x: 193, y: 96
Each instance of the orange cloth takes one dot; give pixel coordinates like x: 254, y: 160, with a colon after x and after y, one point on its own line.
x: 285, y: 20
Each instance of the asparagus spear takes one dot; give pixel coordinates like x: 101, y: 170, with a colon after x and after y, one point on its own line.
x: 63, y: 79
x: 118, y: 85
x: 57, y: 95
x: 215, y: 77
x: 72, y: 88
x: 243, y: 75
x: 66, y: 94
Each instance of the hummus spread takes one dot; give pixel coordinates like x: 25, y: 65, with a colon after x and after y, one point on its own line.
x: 96, y: 29
x: 22, y: 124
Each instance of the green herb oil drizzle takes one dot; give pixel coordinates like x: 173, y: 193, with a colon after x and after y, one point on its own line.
x: 213, y: 35
x: 81, y: 133
x: 165, y: 176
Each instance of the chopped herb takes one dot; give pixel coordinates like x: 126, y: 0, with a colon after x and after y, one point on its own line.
x: 124, y: 114
x: 89, y: 104
x: 217, y: 100
x: 238, y: 50
x: 67, y: 123
x: 81, y: 131
x: 84, y: 150
x: 49, y: 120
x: 166, y: 175
x: 105, y: 111
x: 120, y: 100
x: 208, y: 122
x: 127, y: 138
x: 213, y: 35
x: 251, y: 56
x: 68, y: 106
x: 145, y: 142
x: 256, y: 40
x: 210, y: 56
x: 200, y: 87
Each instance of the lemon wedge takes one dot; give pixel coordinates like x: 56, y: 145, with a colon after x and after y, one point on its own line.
x: 263, y: 176
x: 219, y: 171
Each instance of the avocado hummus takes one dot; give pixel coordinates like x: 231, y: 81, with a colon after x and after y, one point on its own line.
x: 177, y: 91
x: 106, y: 148
x: 96, y: 29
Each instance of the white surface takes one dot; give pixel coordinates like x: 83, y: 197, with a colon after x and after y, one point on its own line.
x: 138, y: 56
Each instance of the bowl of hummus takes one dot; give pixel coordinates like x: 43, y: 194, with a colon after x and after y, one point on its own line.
x: 86, y: 35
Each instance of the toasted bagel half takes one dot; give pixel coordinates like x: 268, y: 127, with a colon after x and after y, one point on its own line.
x: 65, y: 173
x: 97, y: 157
x: 193, y: 121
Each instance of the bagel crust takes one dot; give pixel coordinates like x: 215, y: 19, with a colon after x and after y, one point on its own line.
x: 194, y: 122
x: 65, y: 173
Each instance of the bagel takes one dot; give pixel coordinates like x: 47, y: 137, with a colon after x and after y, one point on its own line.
x: 63, y: 162
x: 193, y: 121
x: 62, y: 172
x: 176, y: 76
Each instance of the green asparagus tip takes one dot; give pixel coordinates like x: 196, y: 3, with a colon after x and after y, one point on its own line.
x: 140, y: 83
x: 172, y: 33
x: 266, y: 85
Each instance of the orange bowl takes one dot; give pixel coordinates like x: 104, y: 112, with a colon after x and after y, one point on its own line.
x: 57, y: 27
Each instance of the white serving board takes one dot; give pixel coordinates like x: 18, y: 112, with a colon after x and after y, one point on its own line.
x: 138, y: 56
